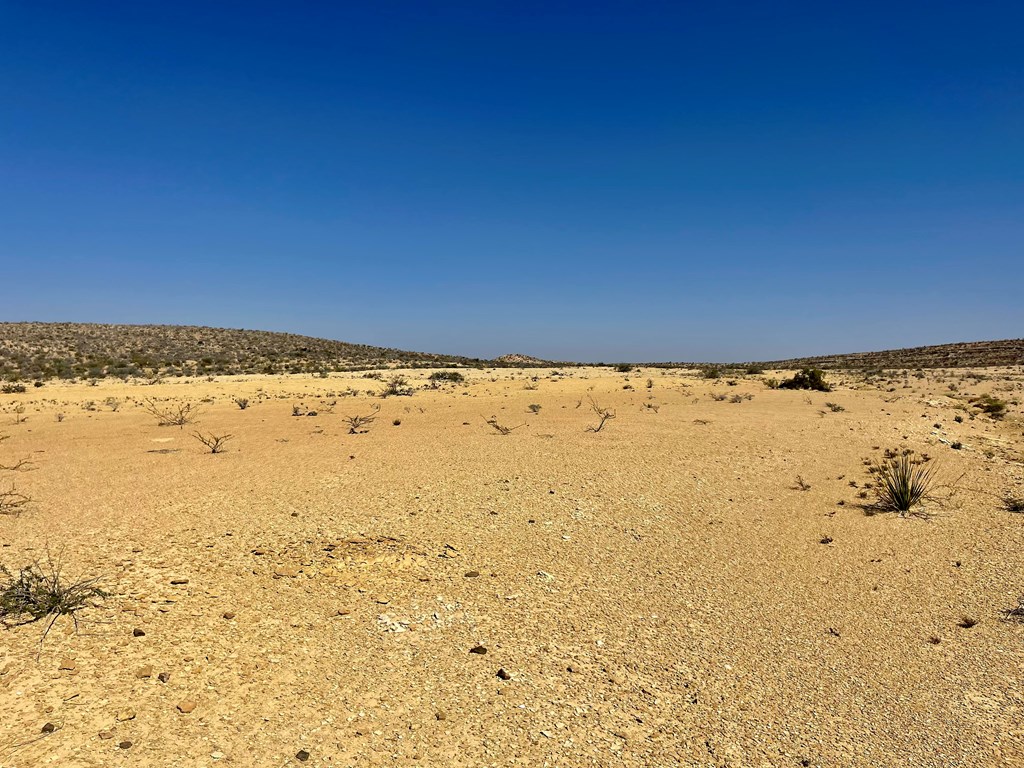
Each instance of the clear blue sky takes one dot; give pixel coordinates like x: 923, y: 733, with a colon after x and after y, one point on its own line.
x: 613, y: 181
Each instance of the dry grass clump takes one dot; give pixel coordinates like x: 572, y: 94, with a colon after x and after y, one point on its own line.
x: 1013, y: 503
x: 36, y: 592
x: 357, y: 424
x: 11, y: 502
x: 603, y: 414
x: 1015, y: 614
x: 501, y: 428
x: 176, y: 415
x: 216, y: 443
x: 902, y: 481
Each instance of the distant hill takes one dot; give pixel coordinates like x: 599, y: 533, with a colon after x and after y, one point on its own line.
x: 86, y: 350
x: 516, y: 359
x: 969, y: 354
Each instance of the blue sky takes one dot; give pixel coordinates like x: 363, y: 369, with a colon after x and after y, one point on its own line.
x: 590, y: 181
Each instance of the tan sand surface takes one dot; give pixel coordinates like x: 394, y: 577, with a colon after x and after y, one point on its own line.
x: 653, y: 594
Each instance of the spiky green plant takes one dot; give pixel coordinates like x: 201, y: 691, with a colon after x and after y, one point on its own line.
x: 902, y: 481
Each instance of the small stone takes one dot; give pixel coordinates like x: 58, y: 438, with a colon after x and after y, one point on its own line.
x: 259, y: 551
x: 187, y: 706
x: 49, y: 728
x: 217, y: 755
x: 229, y: 615
x: 440, y: 716
x: 343, y: 612
x: 105, y: 735
x: 479, y: 649
x: 67, y: 664
x: 179, y: 581
x: 143, y: 672
x: 504, y: 675
x: 286, y: 571
x: 125, y: 715
x: 302, y: 755
x: 163, y: 677
x: 138, y: 632
x: 124, y: 745
x: 471, y: 574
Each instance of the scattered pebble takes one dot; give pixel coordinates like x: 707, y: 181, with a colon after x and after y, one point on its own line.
x: 187, y: 706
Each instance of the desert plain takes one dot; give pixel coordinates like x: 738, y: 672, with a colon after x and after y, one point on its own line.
x: 702, y: 582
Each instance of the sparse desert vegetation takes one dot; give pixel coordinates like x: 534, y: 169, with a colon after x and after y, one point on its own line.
x: 593, y: 566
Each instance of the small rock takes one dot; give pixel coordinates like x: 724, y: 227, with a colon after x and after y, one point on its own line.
x: 138, y: 632
x: 105, y: 735
x: 163, y: 677
x: 286, y: 571
x: 187, y: 706
x: 179, y: 581
x: 827, y: 539
x: 125, y: 715
x: 302, y: 755
x: 479, y: 649
x: 49, y: 728
x: 146, y: 671
x: 343, y: 612
x: 502, y: 674
x: 67, y: 664
x: 440, y: 716
x: 471, y: 574
x: 217, y: 755
x: 229, y: 615
x: 124, y: 745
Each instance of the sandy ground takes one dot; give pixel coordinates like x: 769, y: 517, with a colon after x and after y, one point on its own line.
x: 655, y: 594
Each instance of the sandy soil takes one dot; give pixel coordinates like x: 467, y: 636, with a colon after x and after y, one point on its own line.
x: 655, y: 594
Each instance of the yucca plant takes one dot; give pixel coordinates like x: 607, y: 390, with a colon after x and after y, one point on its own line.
x: 903, y: 481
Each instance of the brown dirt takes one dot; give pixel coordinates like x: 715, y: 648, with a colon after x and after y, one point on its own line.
x: 655, y: 594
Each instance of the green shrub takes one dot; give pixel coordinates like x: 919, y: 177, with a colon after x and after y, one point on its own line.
x: 990, y: 405
x: 452, y: 376
x: 808, y: 378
